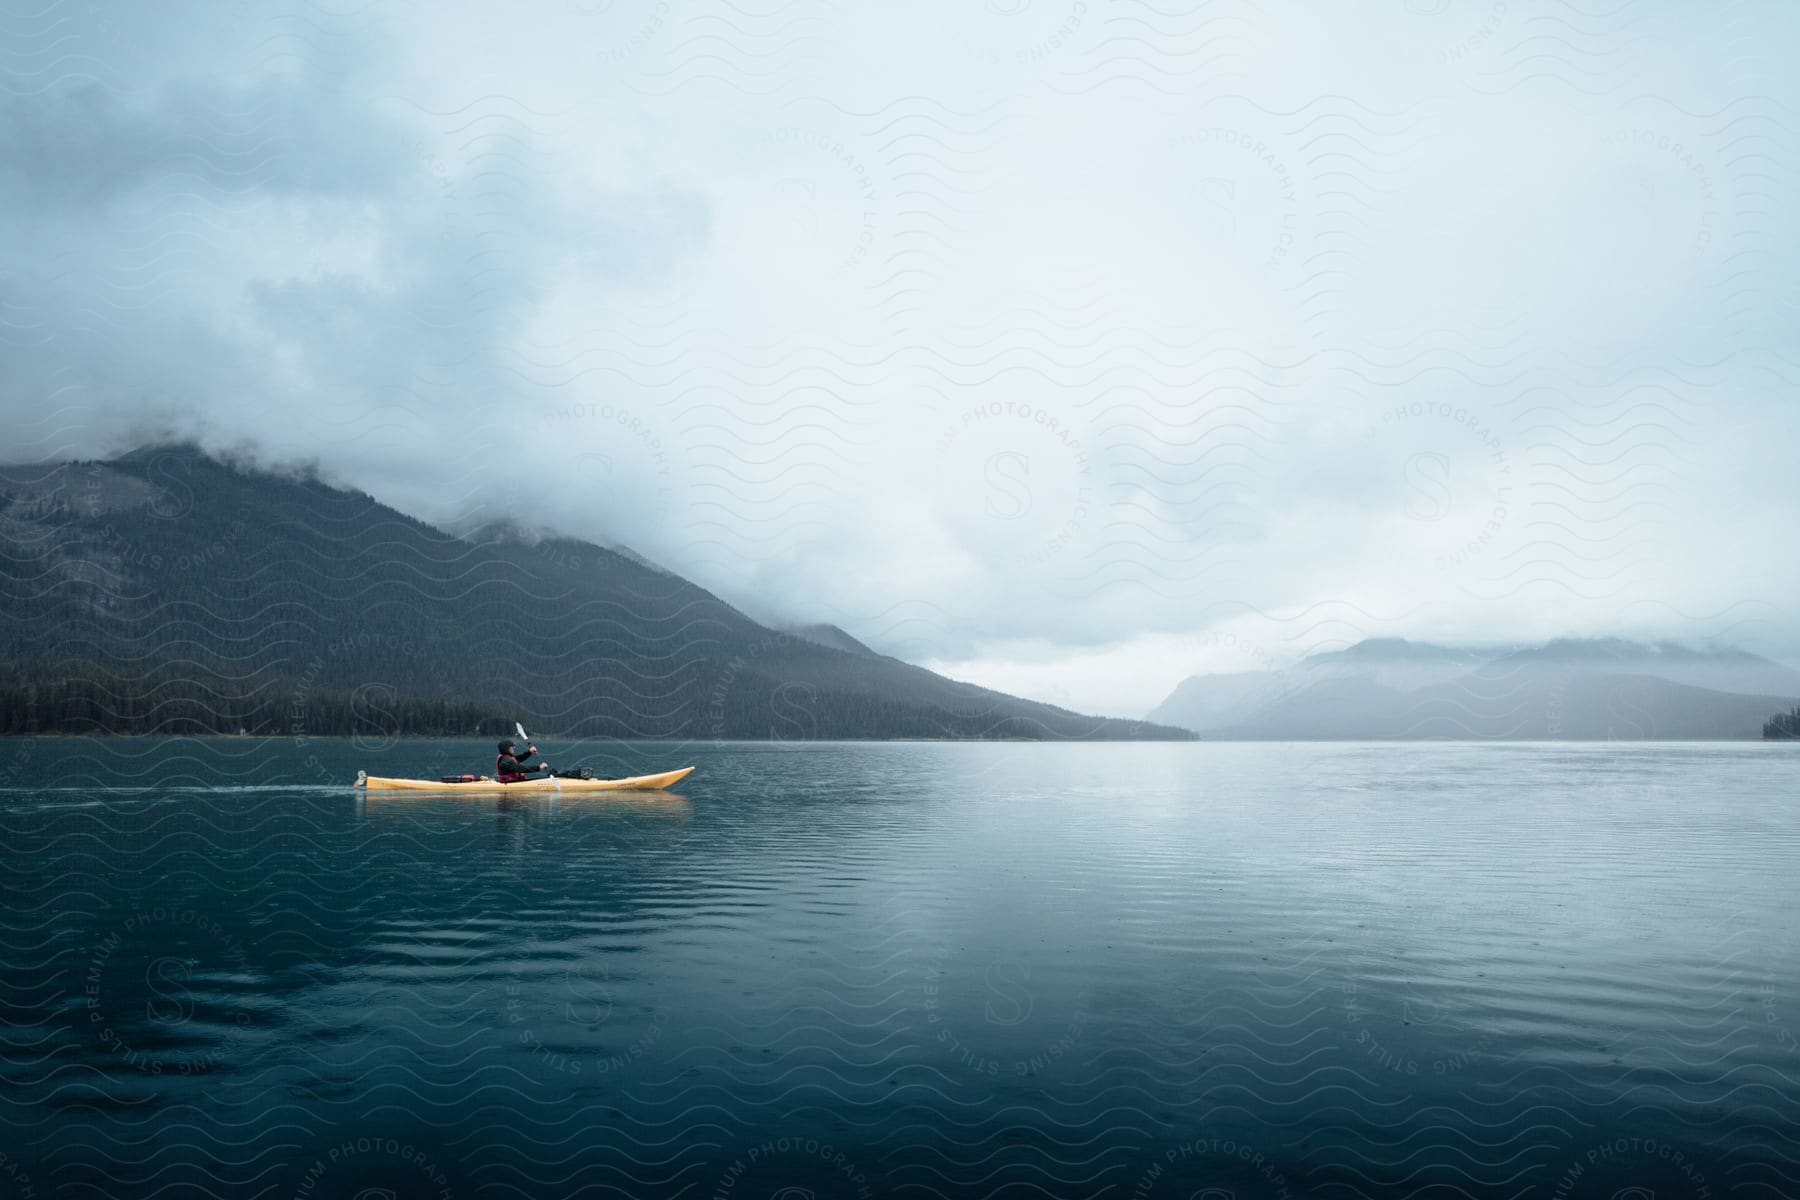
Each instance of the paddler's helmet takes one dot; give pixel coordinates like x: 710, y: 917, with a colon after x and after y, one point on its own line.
x: 508, y: 746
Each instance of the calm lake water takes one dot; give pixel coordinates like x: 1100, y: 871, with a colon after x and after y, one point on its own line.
x: 833, y: 970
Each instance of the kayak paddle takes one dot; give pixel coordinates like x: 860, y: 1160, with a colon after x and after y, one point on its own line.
x: 524, y: 737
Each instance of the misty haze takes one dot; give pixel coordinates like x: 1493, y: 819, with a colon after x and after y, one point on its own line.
x: 999, y: 599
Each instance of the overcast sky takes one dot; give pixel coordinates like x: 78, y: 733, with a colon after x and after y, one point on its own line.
x: 1068, y: 346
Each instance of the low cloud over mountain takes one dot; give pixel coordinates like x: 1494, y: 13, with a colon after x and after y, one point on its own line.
x: 1584, y: 689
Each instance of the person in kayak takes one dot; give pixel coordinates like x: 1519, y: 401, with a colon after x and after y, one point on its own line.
x: 511, y: 767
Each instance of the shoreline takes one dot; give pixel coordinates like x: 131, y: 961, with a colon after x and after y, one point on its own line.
x: 848, y: 741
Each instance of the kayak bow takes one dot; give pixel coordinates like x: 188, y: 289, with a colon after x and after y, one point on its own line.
x: 376, y: 783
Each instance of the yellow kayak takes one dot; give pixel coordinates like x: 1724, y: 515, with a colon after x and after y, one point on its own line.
x: 376, y: 783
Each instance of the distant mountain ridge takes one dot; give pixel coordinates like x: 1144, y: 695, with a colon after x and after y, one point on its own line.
x: 265, y: 600
x: 1583, y: 689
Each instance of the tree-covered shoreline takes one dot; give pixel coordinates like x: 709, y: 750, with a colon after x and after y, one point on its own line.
x: 93, y: 700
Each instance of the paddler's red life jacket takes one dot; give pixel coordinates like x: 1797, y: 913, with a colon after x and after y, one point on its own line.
x: 506, y: 769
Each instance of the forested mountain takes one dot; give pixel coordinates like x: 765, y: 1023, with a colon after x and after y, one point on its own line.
x: 165, y: 591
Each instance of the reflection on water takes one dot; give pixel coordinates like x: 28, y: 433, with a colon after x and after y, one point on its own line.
x: 1122, y: 971
x: 539, y: 806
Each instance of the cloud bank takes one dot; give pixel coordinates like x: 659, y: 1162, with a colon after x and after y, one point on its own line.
x: 1068, y: 347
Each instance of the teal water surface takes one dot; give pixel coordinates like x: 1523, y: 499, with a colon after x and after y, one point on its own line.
x: 818, y: 970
